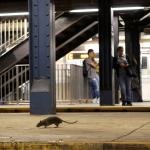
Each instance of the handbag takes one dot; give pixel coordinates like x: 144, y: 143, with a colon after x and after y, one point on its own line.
x: 131, y: 72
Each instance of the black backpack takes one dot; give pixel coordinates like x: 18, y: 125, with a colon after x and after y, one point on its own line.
x: 85, y: 71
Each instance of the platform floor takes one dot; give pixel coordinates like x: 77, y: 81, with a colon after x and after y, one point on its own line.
x: 98, y: 128
x: 76, y: 107
x: 120, y: 127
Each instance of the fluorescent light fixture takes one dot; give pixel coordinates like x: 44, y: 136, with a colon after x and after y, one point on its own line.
x: 14, y: 14
x: 113, y: 8
x: 126, y: 8
x: 83, y: 10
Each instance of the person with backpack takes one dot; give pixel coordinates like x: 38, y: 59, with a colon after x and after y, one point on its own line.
x: 89, y: 71
x: 122, y: 65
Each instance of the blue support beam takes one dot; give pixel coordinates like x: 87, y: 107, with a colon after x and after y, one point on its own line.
x: 105, y: 43
x: 42, y: 57
x: 132, y: 43
x: 115, y: 24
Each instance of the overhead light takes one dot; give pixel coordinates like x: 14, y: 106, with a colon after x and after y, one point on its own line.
x: 83, y: 10
x: 14, y: 14
x: 113, y: 8
x: 126, y: 8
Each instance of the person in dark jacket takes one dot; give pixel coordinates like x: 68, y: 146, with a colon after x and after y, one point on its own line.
x: 121, y: 64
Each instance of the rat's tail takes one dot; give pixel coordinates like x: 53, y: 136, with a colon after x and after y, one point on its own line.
x: 70, y: 122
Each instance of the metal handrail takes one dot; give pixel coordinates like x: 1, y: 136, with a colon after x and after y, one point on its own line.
x: 4, y: 50
x: 70, y: 84
x: 10, y: 84
x: 4, y: 44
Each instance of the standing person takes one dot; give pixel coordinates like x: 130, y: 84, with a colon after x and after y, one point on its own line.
x: 92, y: 76
x: 97, y: 71
x: 121, y: 65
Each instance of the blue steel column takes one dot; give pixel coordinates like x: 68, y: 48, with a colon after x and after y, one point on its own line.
x: 42, y: 57
x: 132, y: 43
x: 116, y: 44
x: 105, y: 43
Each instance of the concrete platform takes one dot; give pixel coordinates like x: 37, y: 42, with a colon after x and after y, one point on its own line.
x: 94, y: 131
x: 73, y: 107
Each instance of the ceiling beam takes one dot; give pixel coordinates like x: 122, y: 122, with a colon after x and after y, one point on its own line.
x: 145, y: 17
x: 13, y: 6
x: 62, y: 5
x: 145, y: 22
x: 123, y: 3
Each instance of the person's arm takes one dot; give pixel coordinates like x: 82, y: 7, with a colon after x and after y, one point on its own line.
x: 124, y: 65
x: 91, y: 63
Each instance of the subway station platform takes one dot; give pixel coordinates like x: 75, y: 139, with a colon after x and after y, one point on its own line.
x: 94, y: 131
x: 82, y: 107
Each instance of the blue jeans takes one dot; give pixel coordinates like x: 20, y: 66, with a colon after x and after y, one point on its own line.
x: 98, y: 79
x: 125, y: 85
x: 94, y: 87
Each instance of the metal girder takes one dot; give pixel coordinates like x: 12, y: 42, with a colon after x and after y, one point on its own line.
x: 14, y: 56
x: 116, y: 44
x: 64, y: 5
x: 42, y: 57
x: 13, y: 6
x: 80, y: 24
x: 76, y: 40
x: 105, y: 44
x: 21, y: 51
x: 132, y: 43
x: 145, y: 22
x: 67, y: 20
x: 130, y: 3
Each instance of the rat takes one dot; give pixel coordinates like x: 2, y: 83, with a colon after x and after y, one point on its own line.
x: 53, y: 120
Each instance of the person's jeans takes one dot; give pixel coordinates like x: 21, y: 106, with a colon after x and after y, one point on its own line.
x: 94, y: 86
x: 98, y: 79
x: 125, y: 86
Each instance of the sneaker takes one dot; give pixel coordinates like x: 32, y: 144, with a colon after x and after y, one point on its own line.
x: 98, y: 101
x: 129, y: 104
x: 94, y: 100
x: 123, y: 103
